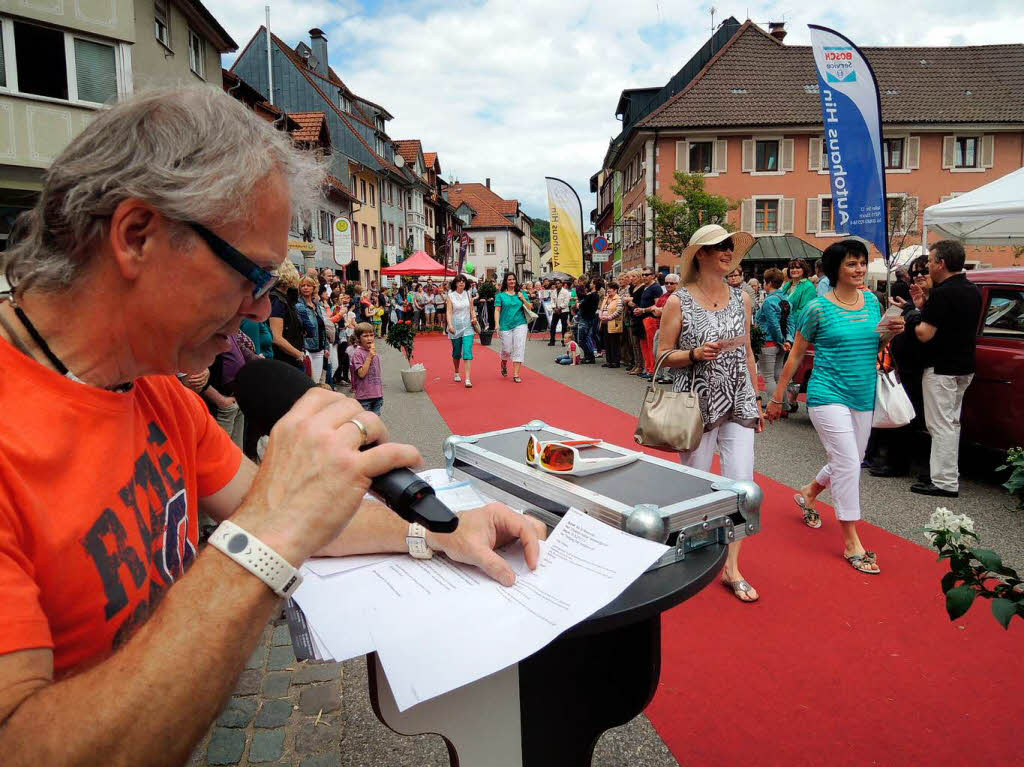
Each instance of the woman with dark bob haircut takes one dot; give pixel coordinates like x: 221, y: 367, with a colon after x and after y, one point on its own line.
x: 844, y: 327
x: 798, y: 289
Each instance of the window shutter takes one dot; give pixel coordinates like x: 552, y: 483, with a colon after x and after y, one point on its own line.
x: 913, y: 152
x: 813, y: 214
x: 747, y: 215
x: 748, y: 155
x: 988, y: 150
x: 786, y: 148
x: 948, y: 151
x: 910, y: 214
x: 787, y: 214
x: 683, y: 156
x: 721, y: 161
x: 814, y: 153
x: 96, y: 71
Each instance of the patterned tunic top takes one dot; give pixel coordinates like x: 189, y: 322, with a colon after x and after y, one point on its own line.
x: 723, y: 385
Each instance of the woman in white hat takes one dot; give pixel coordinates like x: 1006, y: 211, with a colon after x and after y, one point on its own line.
x: 705, y: 326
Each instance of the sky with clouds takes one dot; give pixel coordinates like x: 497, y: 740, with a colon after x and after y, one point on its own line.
x: 517, y: 90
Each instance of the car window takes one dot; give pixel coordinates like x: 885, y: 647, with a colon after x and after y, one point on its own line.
x: 1004, y: 314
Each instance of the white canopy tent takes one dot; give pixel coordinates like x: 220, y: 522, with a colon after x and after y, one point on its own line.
x: 989, y: 215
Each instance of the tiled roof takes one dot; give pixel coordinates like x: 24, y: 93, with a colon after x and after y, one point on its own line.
x: 310, y: 125
x: 335, y: 182
x: 757, y: 80
x: 410, y: 150
x: 486, y: 205
x: 430, y: 158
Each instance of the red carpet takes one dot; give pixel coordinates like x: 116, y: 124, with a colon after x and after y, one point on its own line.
x: 831, y: 667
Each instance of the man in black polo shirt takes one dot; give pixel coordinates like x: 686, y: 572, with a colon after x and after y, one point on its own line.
x: 647, y: 325
x: 948, y: 325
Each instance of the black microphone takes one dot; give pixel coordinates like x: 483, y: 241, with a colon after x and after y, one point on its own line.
x: 267, y: 389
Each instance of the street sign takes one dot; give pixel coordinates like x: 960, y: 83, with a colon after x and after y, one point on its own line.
x: 301, y: 245
x: 342, y: 241
x: 600, y: 245
x: 600, y: 258
x: 520, y: 258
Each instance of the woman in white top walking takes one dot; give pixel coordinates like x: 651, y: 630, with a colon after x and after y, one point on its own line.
x: 461, y: 324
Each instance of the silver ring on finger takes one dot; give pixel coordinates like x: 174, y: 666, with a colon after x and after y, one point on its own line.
x: 362, y: 430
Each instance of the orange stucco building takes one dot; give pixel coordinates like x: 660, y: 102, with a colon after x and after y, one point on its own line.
x: 745, y: 113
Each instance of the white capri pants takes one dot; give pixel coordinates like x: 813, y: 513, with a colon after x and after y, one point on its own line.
x: 513, y: 344
x: 844, y: 435
x: 736, y: 444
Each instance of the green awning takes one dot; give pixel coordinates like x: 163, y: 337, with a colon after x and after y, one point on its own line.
x: 783, y: 247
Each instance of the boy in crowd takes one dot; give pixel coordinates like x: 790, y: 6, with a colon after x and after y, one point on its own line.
x: 367, y: 386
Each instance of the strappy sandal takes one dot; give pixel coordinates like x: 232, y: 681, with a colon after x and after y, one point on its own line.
x: 739, y: 589
x: 811, y: 517
x: 517, y: 379
x: 504, y: 368
x: 860, y: 562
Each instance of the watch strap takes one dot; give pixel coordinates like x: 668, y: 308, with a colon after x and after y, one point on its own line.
x: 416, y: 540
x: 256, y: 557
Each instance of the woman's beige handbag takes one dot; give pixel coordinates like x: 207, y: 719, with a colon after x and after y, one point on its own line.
x: 669, y: 418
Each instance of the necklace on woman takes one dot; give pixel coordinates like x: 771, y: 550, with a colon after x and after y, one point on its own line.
x: 714, y: 304
x: 846, y: 303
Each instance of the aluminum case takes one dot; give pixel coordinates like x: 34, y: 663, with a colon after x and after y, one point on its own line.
x: 696, y: 508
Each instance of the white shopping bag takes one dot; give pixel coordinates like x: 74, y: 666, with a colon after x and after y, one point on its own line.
x: 892, y: 405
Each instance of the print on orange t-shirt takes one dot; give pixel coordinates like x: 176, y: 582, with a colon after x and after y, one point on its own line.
x: 99, y: 500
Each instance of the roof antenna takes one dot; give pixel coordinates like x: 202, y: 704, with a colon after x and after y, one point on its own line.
x: 270, y: 65
x: 712, y: 19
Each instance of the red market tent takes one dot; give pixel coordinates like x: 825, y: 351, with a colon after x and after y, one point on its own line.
x: 418, y: 264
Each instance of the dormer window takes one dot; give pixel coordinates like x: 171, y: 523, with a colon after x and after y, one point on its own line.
x: 380, y: 123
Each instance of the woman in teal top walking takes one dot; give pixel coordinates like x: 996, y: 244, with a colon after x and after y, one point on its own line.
x: 798, y: 290
x: 844, y: 327
x: 511, y: 321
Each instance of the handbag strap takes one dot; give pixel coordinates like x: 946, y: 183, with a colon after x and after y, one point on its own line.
x: 657, y: 367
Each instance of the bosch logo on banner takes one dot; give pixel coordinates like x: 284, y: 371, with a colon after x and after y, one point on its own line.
x: 839, y: 65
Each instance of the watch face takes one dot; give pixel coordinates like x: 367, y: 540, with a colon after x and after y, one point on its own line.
x: 237, y: 543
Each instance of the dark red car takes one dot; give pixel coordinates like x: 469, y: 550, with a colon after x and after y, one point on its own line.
x: 993, y: 412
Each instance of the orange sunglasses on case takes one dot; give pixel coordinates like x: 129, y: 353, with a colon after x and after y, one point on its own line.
x: 563, y: 457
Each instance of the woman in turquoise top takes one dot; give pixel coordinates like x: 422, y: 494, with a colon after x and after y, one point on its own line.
x: 511, y: 321
x: 799, y: 290
x: 844, y: 327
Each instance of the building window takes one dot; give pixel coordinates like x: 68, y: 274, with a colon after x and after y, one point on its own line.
x: 355, y: 234
x: 373, y: 201
x: 766, y: 156
x: 373, y: 236
x: 401, y: 237
x: 380, y: 146
x: 343, y: 103
x: 701, y: 156
x: 366, y: 236
x: 892, y: 153
x: 472, y: 247
x: 391, y: 233
x: 162, y: 27
x: 362, y: 191
x: 966, y: 152
x: 766, y: 214
x: 40, y: 64
x: 827, y: 222
x: 489, y: 246
x: 326, y: 227
x: 391, y: 193
x: 197, y: 54
x: 295, y: 223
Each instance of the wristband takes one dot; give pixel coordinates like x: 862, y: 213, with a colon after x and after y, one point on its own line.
x: 416, y: 541
x: 693, y: 359
x: 256, y: 557
x: 775, y: 402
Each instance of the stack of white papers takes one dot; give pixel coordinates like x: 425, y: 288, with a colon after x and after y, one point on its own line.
x: 438, y: 625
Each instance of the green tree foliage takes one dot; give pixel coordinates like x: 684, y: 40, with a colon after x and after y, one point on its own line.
x: 675, y: 221
x: 541, y: 229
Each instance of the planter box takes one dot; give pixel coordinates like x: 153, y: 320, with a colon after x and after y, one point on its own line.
x: 414, y: 380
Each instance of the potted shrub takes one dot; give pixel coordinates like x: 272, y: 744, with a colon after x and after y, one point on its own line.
x: 486, y: 293
x: 402, y: 336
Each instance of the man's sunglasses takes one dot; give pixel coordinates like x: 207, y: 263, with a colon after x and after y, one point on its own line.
x: 262, y: 280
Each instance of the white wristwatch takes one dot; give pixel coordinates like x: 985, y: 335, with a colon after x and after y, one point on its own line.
x: 256, y: 557
x: 416, y: 540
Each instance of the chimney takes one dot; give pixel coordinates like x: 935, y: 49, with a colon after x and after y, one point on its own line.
x: 488, y: 183
x: 318, y: 44
x: 776, y: 29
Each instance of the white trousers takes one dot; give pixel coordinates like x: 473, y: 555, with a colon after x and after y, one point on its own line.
x: 770, y: 365
x: 943, y: 399
x: 513, y: 344
x: 844, y: 435
x: 317, y: 363
x: 736, y: 444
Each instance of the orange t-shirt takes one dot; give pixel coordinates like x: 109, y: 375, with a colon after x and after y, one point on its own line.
x: 99, y: 496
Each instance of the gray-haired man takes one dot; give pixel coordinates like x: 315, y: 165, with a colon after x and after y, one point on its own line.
x: 157, y: 232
